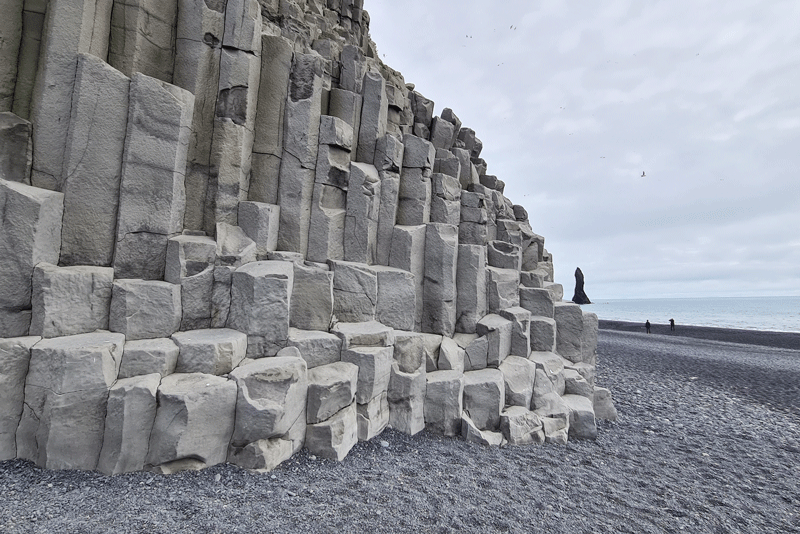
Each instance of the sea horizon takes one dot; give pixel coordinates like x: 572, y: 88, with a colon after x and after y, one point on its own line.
x: 770, y: 313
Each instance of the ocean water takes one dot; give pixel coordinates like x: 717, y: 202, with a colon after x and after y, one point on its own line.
x: 780, y: 314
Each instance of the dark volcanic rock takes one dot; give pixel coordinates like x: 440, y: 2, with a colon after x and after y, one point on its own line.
x: 580, y: 296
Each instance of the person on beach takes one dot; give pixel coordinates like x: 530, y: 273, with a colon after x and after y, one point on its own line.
x: 672, y: 325
x: 647, y: 326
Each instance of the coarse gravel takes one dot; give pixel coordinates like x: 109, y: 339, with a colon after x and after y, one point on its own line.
x: 708, y: 440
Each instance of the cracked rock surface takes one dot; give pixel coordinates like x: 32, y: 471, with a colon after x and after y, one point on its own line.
x: 707, y: 440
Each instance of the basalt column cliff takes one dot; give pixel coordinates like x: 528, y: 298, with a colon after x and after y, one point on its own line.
x: 229, y: 231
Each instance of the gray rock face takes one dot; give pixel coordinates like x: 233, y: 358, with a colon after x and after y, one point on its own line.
x: 31, y: 234
x: 194, y: 421
x: 312, y: 298
x: 374, y: 114
x: 471, y: 287
x: 444, y: 402
x: 520, y: 426
x: 66, y: 391
x: 15, y: 356
x: 271, y: 397
x: 291, y: 248
x: 70, y: 300
x: 331, y: 388
x: 153, y: 172
x: 148, y: 356
x: 130, y: 413
x: 355, y: 292
x: 214, y: 351
x: 498, y: 336
x: 441, y: 261
x: 406, y: 396
x: 519, y: 375
x: 408, y: 253
x: 93, y: 163
x: 16, y: 148
x: 335, y: 437
x: 484, y: 397
x: 316, y: 348
x: 261, y: 302
x: 569, y: 330
x: 145, y: 309
x: 520, y: 330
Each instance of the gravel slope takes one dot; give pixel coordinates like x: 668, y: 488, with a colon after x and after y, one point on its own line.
x: 708, y: 440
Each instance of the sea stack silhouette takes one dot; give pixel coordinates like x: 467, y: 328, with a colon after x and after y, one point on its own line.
x: 580, y: 295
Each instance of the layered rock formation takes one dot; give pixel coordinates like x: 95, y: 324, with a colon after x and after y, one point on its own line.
x: 229, y: 231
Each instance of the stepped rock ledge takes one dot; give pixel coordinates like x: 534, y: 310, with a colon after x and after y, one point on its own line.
x: 229, y: 232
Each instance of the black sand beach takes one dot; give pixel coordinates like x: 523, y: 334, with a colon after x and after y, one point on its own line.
x: 708, y: 440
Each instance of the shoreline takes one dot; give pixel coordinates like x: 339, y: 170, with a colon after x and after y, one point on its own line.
x: 763, y: 338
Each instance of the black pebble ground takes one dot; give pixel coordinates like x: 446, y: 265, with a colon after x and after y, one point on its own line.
x: 708, y: 440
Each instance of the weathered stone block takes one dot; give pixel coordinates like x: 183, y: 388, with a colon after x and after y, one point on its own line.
x: 271, y: 397
x: 439, y: 297
x: 355, y: 292
x: 93, y: 163
x: 194, y: 422
x: 374, y: 370
x: 363, y: 207
x: 335, y: 437
x: 519, y: 374
x: 498, y: 337
x: 16, y: 147
x: 316, y: 348
x: 476, y: 350
x: 331, y: 388
x: 147, y: 356
x: 444, y: 402
x: 312, y: 298
x: 406, y: 396
x: 543, y: 334
x: 145, y: 309
x: 215, y: 351
x: 70, y: 300
x: 130, y: 414
x: 520, y: 426
x: 261, y: 301
x: 484, y: 397
x: 31, y: 233
x: 153, y: 173
x: 408, y: 253
x: 582, y: 423
x: 502, y: 289
x: 66, y: 391
x: 259, y: 221
x: 569, y: 330
x: 520, y: 330
x: 373, y: 416
x: 15, y: 356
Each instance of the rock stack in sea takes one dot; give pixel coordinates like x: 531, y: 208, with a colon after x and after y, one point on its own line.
x: 229, y: 231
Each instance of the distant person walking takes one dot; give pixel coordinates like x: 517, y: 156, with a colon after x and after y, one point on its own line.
x: 672, y: 325
x: 647, y: 326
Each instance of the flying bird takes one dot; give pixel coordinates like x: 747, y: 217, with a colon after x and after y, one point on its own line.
x: 642, y: 174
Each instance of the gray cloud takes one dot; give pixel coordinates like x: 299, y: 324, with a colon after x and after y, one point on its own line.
x: 581, y: 97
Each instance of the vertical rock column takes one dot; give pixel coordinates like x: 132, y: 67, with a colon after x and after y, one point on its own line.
x: 93, y: 163
x: 200, y: 30
x: 361, y: 222
x: 439, y: 299
x: 374, y: 111
x: 273, y: 90
x: 414, y: 204
x: 27, y: 62
x: 143, y: 37
x: 30, y: 233
x: 152, y: 195
x: 68, y: 31
x: 11, y: 30
x: 328, y: 206
x: 234, y: 120
x: 389, y: 162
x: 300, y: 149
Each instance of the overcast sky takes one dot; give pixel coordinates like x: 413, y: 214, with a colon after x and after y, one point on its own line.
x: 575, y: 99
